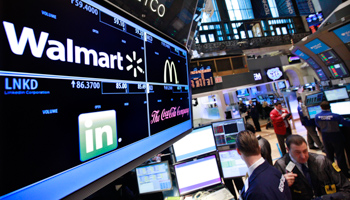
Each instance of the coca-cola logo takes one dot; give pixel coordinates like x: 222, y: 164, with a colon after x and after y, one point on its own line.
x: 168, y: 114
x: 274, y: 73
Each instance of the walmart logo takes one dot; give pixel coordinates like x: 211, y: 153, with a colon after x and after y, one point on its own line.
x: 97, y: 133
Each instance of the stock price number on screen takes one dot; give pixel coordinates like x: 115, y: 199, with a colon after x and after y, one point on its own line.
x: 84, y: 6
x: 119, y: 22
x: 139, y: 32
x: 86, y: 85
x: 168, y: 87
x: 121, y: 85
x: 141, y: 86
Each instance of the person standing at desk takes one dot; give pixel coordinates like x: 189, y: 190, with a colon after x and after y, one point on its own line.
x: 310, y: 126
x: 280, y: 117
x: 333, y: 138
x: 264, y: 181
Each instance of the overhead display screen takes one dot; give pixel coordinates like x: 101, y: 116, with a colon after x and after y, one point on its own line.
x: 82, y: 86
x: 338, y: 70
x: 301, y: 54
x: 321, y: 74
x: 201, y: 77
x: 329, y: 57
x: 317, y: 46
x: 312, y: 63
x: 343, y: 33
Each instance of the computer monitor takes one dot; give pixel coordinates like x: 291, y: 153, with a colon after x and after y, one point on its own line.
x: 200, y: 141
x: 232, y: 164
x: 260, y: 97
x: 338, y: 70
x: 313, y: 111
x: 341, y: 108
x: 336, y: 94
x: 198, y: 174
x: 329, y: 57
x: 314, y: 99
x: 225, y: 132
x: 154, y: 178
x: 242, y: 92
x: 271, y: 96
x: 281, y: 85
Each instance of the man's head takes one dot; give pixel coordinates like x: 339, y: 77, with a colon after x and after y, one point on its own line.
x: 250, y: 102
x: 250, y: 128
x: 278, y: 106
x: 297, y: 148
x: 247, y: 144
x: 325, y: 105
x: 299, y: 99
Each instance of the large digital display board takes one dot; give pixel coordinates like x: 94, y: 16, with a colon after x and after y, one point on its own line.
x: 343, y: 33
x: 312, y: 63
x: 301, y: 54
x: 321, y: 74
x: 317, y: 46
x: 84, y: 91
x: 329, y: 57
x: 201, y: 77
x: 338, y: 70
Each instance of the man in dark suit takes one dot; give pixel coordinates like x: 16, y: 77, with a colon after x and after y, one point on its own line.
x: 309, y: 175
x: 264, y: 181
x: 254, y: 114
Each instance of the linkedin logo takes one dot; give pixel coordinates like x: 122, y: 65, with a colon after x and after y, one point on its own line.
x: 97, y: 133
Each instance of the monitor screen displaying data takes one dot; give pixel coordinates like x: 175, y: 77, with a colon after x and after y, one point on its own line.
x: 336, y: 94
x: 314, y: 98
x: 340, y: 108
x: 198, y: 174
x: 312, y: 63
x: 153, y: 178
x: 232, y: 164
x: 85, y: 88
x: 321, y: 74
x: 317, y: 46
x: 313, y: 111
x: 329, y: 57
x: 338, y: 70
x: 200, y: 141
x: 226, y: 131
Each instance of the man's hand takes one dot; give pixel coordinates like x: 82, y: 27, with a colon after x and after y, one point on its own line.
x: 290, y: 177
x: 284, y: 115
